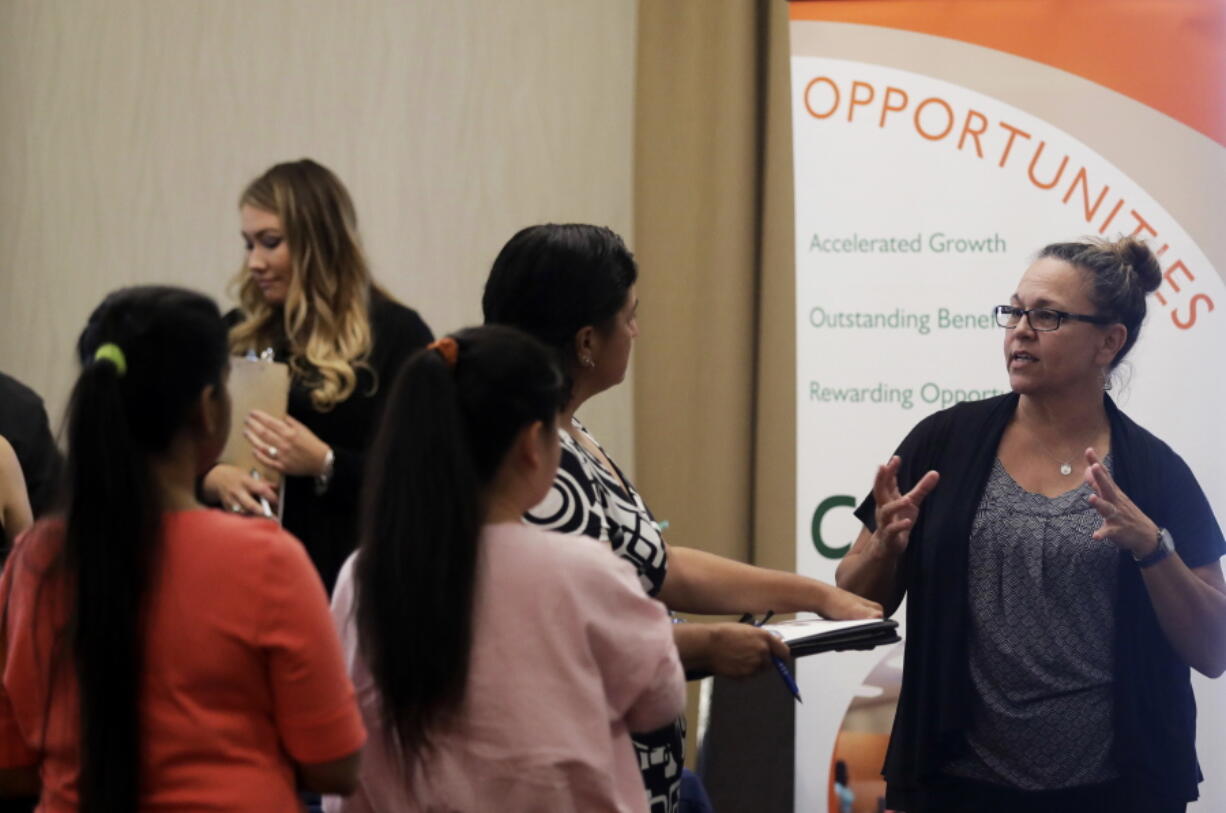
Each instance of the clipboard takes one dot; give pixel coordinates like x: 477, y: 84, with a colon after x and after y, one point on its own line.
x: 811, y: 636
x: 260, y: 384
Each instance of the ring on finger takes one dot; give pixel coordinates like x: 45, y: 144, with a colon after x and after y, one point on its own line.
x: 236, y: 508
x: 272, y: 452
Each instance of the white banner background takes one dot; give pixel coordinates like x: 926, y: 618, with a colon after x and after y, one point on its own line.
x: 865, y: 171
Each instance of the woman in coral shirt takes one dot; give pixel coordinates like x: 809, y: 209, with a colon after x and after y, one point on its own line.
x: 159, y: 655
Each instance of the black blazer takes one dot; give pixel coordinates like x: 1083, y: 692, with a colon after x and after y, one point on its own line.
x: 327, y: 524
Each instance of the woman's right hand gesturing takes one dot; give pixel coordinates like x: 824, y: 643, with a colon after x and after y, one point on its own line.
x: 237, y: 491
x: 896, y: 513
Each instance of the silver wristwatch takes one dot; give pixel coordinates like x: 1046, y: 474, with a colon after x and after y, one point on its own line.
x: 1165, y: 547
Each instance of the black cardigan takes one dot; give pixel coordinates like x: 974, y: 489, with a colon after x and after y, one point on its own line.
x: 1154, y: 710
x: 327, y: 524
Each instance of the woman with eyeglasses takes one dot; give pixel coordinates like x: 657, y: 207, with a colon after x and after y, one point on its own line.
x: 1061, y: 566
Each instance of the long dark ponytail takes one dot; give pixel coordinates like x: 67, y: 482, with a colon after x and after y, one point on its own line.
x: 451, y: 417
x: 161, y: 348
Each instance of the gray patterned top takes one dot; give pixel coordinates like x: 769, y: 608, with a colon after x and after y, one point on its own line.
x: 1042, y: 611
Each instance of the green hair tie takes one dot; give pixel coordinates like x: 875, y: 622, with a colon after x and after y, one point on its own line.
x: 111, y: 352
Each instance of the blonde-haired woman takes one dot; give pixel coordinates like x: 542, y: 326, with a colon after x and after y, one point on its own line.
x: 306, y: 291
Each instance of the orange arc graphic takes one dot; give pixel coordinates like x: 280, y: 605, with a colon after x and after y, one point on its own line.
x: 1167, y: 54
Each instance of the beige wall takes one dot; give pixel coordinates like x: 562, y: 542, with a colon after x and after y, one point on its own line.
x: 715, y: 411
x: 696, y: 215
x: 128, y: 127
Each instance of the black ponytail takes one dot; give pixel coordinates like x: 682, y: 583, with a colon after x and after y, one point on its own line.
x: 446, y: 429
x: 163, y: 347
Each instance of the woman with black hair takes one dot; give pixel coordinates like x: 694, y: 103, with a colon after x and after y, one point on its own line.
x: 573, y: 287
x: 500, y: 666
x: 157, y: 654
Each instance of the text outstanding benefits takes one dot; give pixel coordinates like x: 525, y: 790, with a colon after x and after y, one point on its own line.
x: 921, y: 322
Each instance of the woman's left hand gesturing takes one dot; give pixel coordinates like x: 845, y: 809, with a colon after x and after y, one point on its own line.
x: 1123, y: 523
x: 285, y: 445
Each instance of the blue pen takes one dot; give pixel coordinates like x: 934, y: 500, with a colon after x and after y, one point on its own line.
x: 780, y: 666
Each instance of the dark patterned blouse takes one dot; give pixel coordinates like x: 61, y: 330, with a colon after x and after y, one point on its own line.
x: 587, y: 500
x: 1042, y: 598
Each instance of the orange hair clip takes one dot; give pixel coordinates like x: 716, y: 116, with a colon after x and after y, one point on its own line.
x: 447, y: 348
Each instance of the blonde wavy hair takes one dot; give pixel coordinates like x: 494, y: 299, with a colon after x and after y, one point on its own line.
x: 325, y: 319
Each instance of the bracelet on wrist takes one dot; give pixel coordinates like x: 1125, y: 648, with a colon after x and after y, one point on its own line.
x: 1163, y: 548
x: 324, y: 478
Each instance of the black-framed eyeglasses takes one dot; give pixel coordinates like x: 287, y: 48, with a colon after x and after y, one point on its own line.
x: 1042, y: 320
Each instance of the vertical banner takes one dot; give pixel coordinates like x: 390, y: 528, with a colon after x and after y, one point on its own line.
x: 938, y: 146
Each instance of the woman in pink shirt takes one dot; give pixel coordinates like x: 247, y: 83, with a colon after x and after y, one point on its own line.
x: 498, y: 666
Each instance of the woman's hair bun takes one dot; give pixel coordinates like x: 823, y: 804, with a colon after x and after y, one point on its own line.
x: 1120, y: 274
x: 1137, y: 256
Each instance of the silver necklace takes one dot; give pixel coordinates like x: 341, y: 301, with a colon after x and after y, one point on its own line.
x: 1066, y: 466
